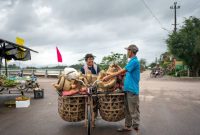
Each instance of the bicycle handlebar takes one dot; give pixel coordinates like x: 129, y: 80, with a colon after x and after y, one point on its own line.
x: 95, y: 82
x: 81, y: 82
x: 86, y: 84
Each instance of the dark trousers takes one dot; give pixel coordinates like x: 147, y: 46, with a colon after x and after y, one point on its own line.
x: 132, y: 112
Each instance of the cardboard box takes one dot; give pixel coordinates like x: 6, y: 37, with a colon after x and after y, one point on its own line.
x: 22, y: 103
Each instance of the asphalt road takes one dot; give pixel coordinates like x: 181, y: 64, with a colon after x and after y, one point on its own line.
x: 167, y: 108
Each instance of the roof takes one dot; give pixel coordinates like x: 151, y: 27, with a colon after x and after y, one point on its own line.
x: 15, y: 45
x: 10, y: 50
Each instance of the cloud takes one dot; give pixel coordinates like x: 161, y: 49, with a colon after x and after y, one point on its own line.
x: 78, y: 27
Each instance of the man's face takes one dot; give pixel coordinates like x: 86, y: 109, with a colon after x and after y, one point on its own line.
x: 129, y: 53
x: 90, y: 61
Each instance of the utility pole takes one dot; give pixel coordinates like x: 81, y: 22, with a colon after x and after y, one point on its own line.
x: 175, y: 7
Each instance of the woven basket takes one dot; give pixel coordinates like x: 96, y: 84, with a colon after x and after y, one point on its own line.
x: 71, y: 109
x: 111, y: 107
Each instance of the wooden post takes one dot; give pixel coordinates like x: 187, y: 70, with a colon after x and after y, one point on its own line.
x: 60, y: 72
x: 188, y: 72
x: 46, y: 73
x: 33, y: 72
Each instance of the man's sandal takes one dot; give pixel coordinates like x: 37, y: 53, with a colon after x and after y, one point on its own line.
x: 124, y: 129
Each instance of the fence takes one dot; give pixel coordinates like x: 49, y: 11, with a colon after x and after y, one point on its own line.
x: 37, y: 72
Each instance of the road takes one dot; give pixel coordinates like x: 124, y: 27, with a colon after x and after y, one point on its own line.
x: 168, y: 107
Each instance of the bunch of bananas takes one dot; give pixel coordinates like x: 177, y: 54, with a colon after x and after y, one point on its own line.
x: 8, y: 83
x: 21, y: 98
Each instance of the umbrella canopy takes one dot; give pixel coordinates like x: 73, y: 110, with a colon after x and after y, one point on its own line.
x: 10, y: 50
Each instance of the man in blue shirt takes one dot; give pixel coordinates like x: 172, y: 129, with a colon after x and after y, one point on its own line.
x: 131, y: 89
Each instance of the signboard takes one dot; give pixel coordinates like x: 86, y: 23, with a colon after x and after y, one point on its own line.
x: 20, y: 41
x: 180, y: 63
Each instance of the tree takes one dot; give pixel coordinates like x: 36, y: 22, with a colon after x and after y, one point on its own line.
x: 14, y: 66
x: 31, y: 67
x: 114, y: 58
x: 152, y: 65
x: 166, y: 57
x: 142, y: 64
x: 185, y: 44
x: 77, y: 66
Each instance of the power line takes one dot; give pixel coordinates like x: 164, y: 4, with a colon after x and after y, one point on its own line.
x: 154, y: 16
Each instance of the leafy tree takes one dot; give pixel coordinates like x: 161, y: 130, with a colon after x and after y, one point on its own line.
x: 114, y: 58
x: 152, y: 65
x: 77, y: 66
x: 81, y: 61
x: 185, y: 44
x: 14, y: 66
x: 166, y: 57
x: 142, y: 64
x: 30, y: 67
x: 165, y: 60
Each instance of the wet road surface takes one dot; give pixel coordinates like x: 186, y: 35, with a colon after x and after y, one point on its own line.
x: 167, y: 108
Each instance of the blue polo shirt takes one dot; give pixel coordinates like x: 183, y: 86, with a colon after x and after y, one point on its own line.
x: 132, y: 78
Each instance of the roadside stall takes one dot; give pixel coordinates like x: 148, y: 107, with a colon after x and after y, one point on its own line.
x: 14, y: 84
x: 12, y: 51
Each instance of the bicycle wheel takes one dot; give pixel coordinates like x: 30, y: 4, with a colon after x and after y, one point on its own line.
x: 89, y: 120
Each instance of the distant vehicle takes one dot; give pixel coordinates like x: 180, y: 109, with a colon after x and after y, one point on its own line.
x: 156, y: 72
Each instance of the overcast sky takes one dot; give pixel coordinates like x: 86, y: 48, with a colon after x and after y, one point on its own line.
x: 78, y: 27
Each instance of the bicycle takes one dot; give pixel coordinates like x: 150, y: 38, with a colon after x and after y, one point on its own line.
x: 91, y: 97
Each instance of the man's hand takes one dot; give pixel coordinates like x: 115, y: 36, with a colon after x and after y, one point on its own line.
x: 122, y: 71
x: 106, y: 78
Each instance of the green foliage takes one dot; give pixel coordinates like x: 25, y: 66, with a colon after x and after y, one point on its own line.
x: 166, y: 65
x: 166, y: 57
x: 13, y: 66
x: 9, y: 83
x: 54, y: 67
x: 185, y: 44
x: 142, y: 64
x: 31, y: 67
x: 82, y: 60
x: 171, y: 73
x: 182, y: 73
x: 2, y: 77
x: 76, y: 66
x: 152, y: 65
x: 114, y: 58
